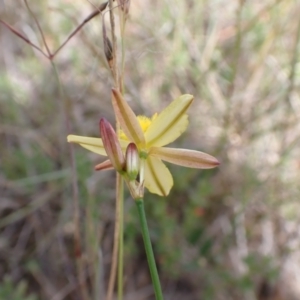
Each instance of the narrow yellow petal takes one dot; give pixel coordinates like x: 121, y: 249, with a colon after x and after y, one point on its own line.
x: 170, y: 123
x: 127, y: 119
x: 92, y: 144
x: 158, y: 179
x: 185, y: 157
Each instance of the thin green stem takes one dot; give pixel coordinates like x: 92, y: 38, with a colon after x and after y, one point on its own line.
x: 149, y: 250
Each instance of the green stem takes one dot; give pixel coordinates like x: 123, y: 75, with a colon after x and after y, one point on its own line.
x: 149, y: 250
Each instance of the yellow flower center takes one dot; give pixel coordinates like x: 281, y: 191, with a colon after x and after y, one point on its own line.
x: 144, y: 122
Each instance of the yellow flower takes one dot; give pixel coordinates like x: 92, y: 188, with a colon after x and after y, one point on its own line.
x: 150, y: 137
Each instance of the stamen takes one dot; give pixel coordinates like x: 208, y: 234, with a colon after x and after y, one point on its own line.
x: 144, y: 122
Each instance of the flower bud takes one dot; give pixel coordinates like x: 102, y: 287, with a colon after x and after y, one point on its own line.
x: 132, y: 161
x: 111, y: 145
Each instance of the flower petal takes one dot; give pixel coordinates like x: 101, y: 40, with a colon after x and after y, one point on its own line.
x: 105, y: 165
x: 158, y: 179
x: 185, y: 157
x: 127, y: 118
x: 170, y: 123
x: 92, y: 144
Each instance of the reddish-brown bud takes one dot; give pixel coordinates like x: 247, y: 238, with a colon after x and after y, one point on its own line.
x: 111, y: 145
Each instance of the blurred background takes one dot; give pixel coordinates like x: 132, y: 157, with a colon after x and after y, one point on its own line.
x: 228, y: 233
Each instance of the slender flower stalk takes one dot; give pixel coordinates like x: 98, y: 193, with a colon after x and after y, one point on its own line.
x: 149, y: 251
x: 142, y: 140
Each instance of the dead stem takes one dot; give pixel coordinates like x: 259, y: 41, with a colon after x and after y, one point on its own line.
x: 115, y: 75
x: 93, y: 14
x: 114, y: 44
x: 50, y: 56
x: 39, y: 27
x: 113, y: 270
x: 17, y: 33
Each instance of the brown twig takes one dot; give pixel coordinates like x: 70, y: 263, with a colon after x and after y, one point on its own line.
x: 93, y: 14
x: 114, y: 69
x: 50, y: 56
x: 114, y: 44
x: 39, y: 27
x: 20, y: 35
x: 113, y: 269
